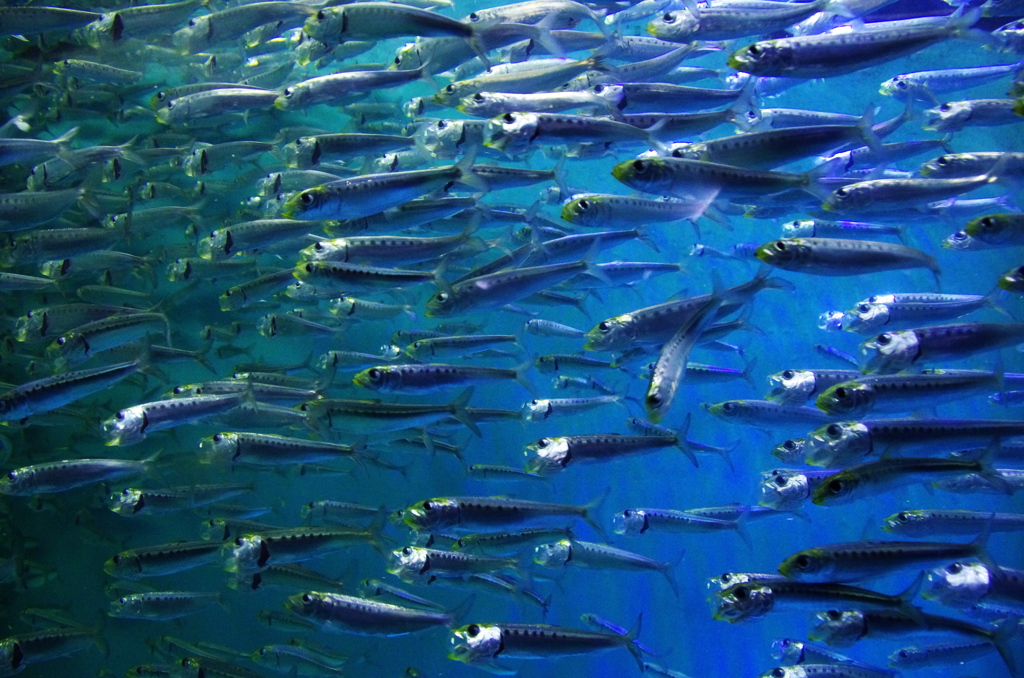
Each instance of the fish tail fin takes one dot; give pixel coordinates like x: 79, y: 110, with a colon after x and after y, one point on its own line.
x: 766, y: 281
x: 980, y: 545
x: 591, y: 507
x: 748, y: 371
x: 466, y: 174
x: 668, y: 571
x: 522, y: 371
x: 741, y: 528
x: 65, y: 139
x: 199, y: 356
x: 645, y: 234
x: 629, y: 641
x: 546, y: 38
x: 726, y: 453
x: 908, y: 595
x: 592, y: 268
x: 559, y: 177
x: 326, y: 378
x: 458, y: 613
x: 460, y: 413
x: 866, y: 129
x: 683, y: 444
x: 1006, y: 630
x: 477, y: 46
x: 992, y: 302
x: 988, y: 471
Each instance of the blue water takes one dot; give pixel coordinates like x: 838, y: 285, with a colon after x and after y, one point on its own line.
x: 71, y: 535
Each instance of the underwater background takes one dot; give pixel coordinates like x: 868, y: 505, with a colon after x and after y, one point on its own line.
x: 55, y: 544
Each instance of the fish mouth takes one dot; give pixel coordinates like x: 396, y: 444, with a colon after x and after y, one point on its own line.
x: 736, y: 63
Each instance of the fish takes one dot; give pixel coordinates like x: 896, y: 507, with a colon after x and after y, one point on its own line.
x: 854, y: 561
x: 551, y: 455
x: 364, y: 616
x: 842, y: 257
x: 891, y: 352
x: 603, y: 557
x: 482, y: 644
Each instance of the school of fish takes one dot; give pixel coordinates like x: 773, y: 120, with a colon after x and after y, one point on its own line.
x: 328, y: 353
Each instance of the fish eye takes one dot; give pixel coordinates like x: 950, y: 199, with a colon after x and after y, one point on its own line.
x: 478, y: 97
x: 598, y: 89
x: 780, y: 246
x: 960, y: 235
x: 754, y: 49
x: 441, y: 124
x: 627, y: 513
x: 781, y: 481
x: 472, y: 630
x: 543, y: 442
x: 123, y: 601
x: 728, y: 406
x: 398, y: 60
x: 639, y: 166
x: 669, y: 18
x: 306, y: 598
x: 778, y: 672
x: 903, y: 516
x: 842, y: 393
x: 741, y: 593
x: 789, y: 445
x: 788, y: 374
x: 450, y: 89
x: 306, y: 198
x: 901, y: 84
x: 442, y: 296
x: 321, y: 15
x: 726, y: 578
x: 942, y: 161
x: 841, y: 192
x: 12, y: 475
x: 170, y: 105
x: 584, y: 204
x: 61, y: 341
x: 837, y: 487
x: 803, y: 561
x: 178, y: 390
x: 834, y: 430
x: 309, y: 268
x: 120, y: 415
x: 752, y: 115
x: 474, y: 17
x: 987, y: 222
x: 904, y: 654
x: 884, y: 339
x: 407, y: 551
x: 954, y: 568
x: 288, y: 91
x: 428, y: 505
x: 604, y: 326
x: 509, y: 117
x: 373, y: 374
x: 863, y: 308
x: 116, y: 559
x: 318, y: 247
x: 945, y: 107
x: 834, y: 615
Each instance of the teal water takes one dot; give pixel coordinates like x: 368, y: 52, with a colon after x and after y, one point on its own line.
x: 65, y: 538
